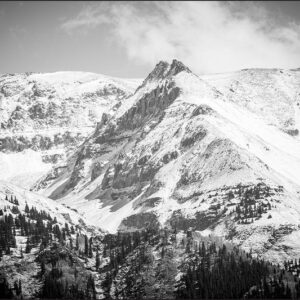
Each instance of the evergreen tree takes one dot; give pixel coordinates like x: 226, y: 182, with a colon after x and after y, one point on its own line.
x: 97, y: 260
x: 77, y: 242
x: 86, y: 246
x: 26, y: 208
x: 5, y: 289
x: 90, y: 254
x: 27, y: 248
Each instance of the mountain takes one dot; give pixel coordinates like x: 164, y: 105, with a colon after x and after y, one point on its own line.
x: 44, y: 117
x: 177, y: 186
x: 217, y: 153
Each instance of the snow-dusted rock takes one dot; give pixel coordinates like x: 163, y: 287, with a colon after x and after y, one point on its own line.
x: 44, y: 117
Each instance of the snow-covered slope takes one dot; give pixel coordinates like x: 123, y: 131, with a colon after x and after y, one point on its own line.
x: 272, y: 94
x: 218, y: 153
x: 45, y: 116
x: 56, y: 210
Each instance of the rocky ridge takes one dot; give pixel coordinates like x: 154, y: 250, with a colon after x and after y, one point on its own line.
x: 44, y: 117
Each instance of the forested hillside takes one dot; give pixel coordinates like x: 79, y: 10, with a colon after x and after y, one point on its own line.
x: 42, y: 258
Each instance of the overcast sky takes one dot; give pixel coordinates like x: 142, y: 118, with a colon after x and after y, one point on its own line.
x: 126, y: 39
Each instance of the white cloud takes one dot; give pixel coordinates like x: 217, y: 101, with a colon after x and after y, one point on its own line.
x: 207, y: 36
x: 90, y: 17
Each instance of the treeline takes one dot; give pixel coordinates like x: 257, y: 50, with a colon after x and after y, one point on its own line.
x: 293, y: 268
x: 209, y: 269
x: 43, y: 232
x: 253, y: 202
x: 118, y: 246
x: 222, y: 274
x: 57, y: 283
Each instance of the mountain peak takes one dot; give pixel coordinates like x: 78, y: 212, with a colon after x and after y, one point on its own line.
x: 160, y: 71
x: 164, y: 69
x: 177, y: 67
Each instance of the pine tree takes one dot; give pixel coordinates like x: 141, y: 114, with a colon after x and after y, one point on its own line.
x: 77, y: 242
x: 97, y: 260
x: 27, y: 248
x: 71, y: 243
x: 90, y: 248
x: 86, y: 246
x: 19, y: 287
x: 26, y: 208
x: 16, y: 288
x: 67, y: 229
x: 5, y: 290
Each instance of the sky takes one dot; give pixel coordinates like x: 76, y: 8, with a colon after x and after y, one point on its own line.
x: 127, y: 39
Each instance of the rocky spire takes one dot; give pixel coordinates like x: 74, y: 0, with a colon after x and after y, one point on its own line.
x: 159, y: 71
x: 177, y: 67
x: 163, y: 70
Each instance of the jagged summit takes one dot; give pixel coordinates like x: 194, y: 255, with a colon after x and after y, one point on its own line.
x: 177, y: 67
x: 164, y: 69
x: 159, y: 71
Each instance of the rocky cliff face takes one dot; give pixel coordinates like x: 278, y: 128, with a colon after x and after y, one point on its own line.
x: 186, y: 151
x: 44, y: 117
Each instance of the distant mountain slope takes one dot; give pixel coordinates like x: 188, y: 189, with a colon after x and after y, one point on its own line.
x: 45, y: 116
x: 182, y: 151
x: 273, y: 94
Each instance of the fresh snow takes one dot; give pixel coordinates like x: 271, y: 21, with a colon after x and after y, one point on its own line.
x: 278, y: 150
x: 22, y: 168
x: 55, y: 209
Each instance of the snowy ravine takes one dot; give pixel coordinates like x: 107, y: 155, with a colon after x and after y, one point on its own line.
x: 218, y: 153
x: 44, y: 117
